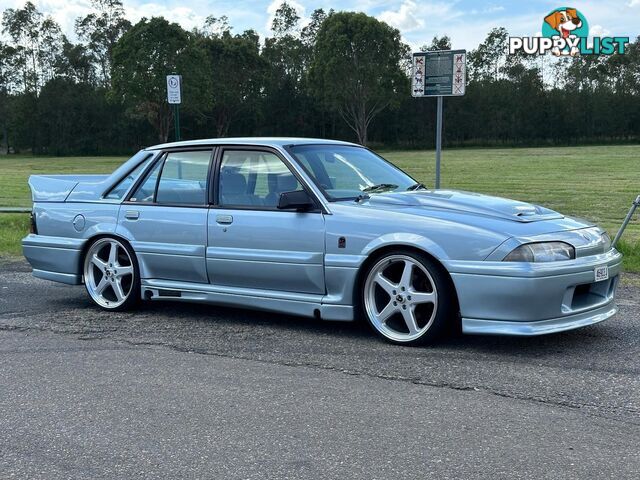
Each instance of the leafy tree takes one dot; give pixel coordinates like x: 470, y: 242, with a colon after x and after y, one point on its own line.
x: 101, y: 30
x: 5, y: 80
x: 37, y: 41
x: 75, y: 62
x: 216, y: 26
x: 234, y: 57
x: 309, y: 33
x: 284, y: 99
x: 285, y: 20
x: 486, y: 61
x: 144, y: 56
x: 437, y: 43
x: 356, y: 68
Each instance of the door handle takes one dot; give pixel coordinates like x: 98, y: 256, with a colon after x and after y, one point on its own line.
x: 224, y: 219
x: 131, y: 214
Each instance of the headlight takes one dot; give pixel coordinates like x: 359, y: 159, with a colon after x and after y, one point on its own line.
x: 542, y: 252
x: 606, y: 240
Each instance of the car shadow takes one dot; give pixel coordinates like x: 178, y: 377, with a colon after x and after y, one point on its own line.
x: 580, y: 339
x: 195, y: 317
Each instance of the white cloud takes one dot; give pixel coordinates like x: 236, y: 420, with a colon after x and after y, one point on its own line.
x: 403, y: 19
x: 493, y: 9
x: 599, y: 31
x: 634, y: 3
x: 65, y: 12
x: 185, y: 16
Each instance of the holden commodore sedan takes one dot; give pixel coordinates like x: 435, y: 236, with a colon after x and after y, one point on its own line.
x: 321, y: 229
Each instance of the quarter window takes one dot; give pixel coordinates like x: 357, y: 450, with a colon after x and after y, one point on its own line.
x: 179, y: 179
x: 254, y: 178
x: 146, y: 190
x: 117, y: 192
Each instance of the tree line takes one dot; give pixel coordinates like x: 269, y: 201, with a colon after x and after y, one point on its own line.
x: 340, y: 75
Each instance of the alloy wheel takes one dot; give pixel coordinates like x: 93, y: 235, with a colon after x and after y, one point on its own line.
x: 400, y: 298
x: 109, y: 273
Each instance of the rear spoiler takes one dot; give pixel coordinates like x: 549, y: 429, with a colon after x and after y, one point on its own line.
x: 56, y: 188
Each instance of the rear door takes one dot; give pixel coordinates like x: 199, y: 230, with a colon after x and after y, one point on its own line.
x: 165, y: 218
x: 251, y: 242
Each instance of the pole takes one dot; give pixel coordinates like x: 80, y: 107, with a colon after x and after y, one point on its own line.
x: 635, y: 205
x: 176, y: 120
x: 438, y: 140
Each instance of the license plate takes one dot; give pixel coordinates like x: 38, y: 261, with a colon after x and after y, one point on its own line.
x: 601, y: 273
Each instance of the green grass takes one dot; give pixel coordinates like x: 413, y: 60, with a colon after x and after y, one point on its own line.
x: 15, y: 170
x: 13, y: 227
x: 597, y: 183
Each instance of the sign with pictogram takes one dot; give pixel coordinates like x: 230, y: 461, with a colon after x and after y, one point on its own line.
x: 439, y: 73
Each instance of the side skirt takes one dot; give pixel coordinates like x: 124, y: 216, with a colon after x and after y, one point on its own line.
x: 303, y: 304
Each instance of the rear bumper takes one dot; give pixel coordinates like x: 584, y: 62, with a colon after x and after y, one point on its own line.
x: 523, y: 299
x: 54, y: 258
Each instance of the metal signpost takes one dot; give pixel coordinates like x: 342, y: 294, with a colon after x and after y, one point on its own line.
x: 439, y: 74
x: 174, y: 97
x: 632, y: 210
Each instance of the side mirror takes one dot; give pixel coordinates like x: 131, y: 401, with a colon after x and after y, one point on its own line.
x: 298, y: 200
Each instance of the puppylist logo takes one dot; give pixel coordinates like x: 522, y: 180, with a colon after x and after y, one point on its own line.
x: 565, y: 31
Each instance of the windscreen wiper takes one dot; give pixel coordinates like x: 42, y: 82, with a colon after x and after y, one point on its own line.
x: 379, y: 187
x: 417, y: 186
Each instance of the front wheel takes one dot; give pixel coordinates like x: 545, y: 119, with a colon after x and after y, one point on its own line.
x: 406, y: 298
x: 111, y: 274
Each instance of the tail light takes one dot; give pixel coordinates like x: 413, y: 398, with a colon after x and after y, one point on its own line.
x: 32, y: 224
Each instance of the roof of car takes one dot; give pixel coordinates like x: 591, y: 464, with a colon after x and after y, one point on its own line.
x: 255, y: 141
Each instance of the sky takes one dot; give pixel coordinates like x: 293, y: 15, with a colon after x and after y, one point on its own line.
x: 465, y: 21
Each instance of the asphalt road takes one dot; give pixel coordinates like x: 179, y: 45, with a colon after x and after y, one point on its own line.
x: 192, y: 391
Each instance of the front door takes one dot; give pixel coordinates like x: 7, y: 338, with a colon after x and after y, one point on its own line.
x: 165, y: 218
x: 253, y: 244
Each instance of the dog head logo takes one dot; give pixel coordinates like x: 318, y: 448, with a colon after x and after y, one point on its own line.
x: 568, y: 24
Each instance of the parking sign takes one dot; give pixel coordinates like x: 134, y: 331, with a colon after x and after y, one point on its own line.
x: 174, y: 89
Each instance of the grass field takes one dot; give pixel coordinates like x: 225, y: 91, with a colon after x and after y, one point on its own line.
x: 596, y: 183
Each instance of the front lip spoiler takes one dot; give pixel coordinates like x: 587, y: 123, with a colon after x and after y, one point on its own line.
x: 476, y: 326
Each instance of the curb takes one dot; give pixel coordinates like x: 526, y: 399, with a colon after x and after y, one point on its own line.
x: 15, y: 210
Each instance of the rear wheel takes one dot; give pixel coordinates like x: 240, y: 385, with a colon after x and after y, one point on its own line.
x: 406, y: 298
x: 111, y: 274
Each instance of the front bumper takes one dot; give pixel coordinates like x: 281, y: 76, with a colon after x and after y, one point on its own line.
x: 475, y: 326
x: 508, y: 298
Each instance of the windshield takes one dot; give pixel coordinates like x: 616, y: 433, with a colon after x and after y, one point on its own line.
x: 346, y: 172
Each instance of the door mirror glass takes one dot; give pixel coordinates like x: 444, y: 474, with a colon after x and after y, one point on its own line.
x: 298, y: 200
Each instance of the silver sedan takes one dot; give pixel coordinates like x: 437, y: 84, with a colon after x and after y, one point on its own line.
x: 318, y: 228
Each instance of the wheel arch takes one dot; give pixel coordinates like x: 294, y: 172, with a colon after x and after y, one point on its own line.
x: 91, y: 240
x: 377, y: 253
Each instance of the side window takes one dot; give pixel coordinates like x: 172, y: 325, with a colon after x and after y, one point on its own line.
x: 146, y: 190
x: 117, y: 192
x: 253, y: 178
x: 184, y: 178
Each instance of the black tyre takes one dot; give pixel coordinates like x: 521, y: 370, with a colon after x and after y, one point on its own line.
x: 407, y: 298
x: 111, y: 274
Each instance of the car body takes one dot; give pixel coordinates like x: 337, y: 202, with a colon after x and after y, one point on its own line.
x: 298, y: 226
